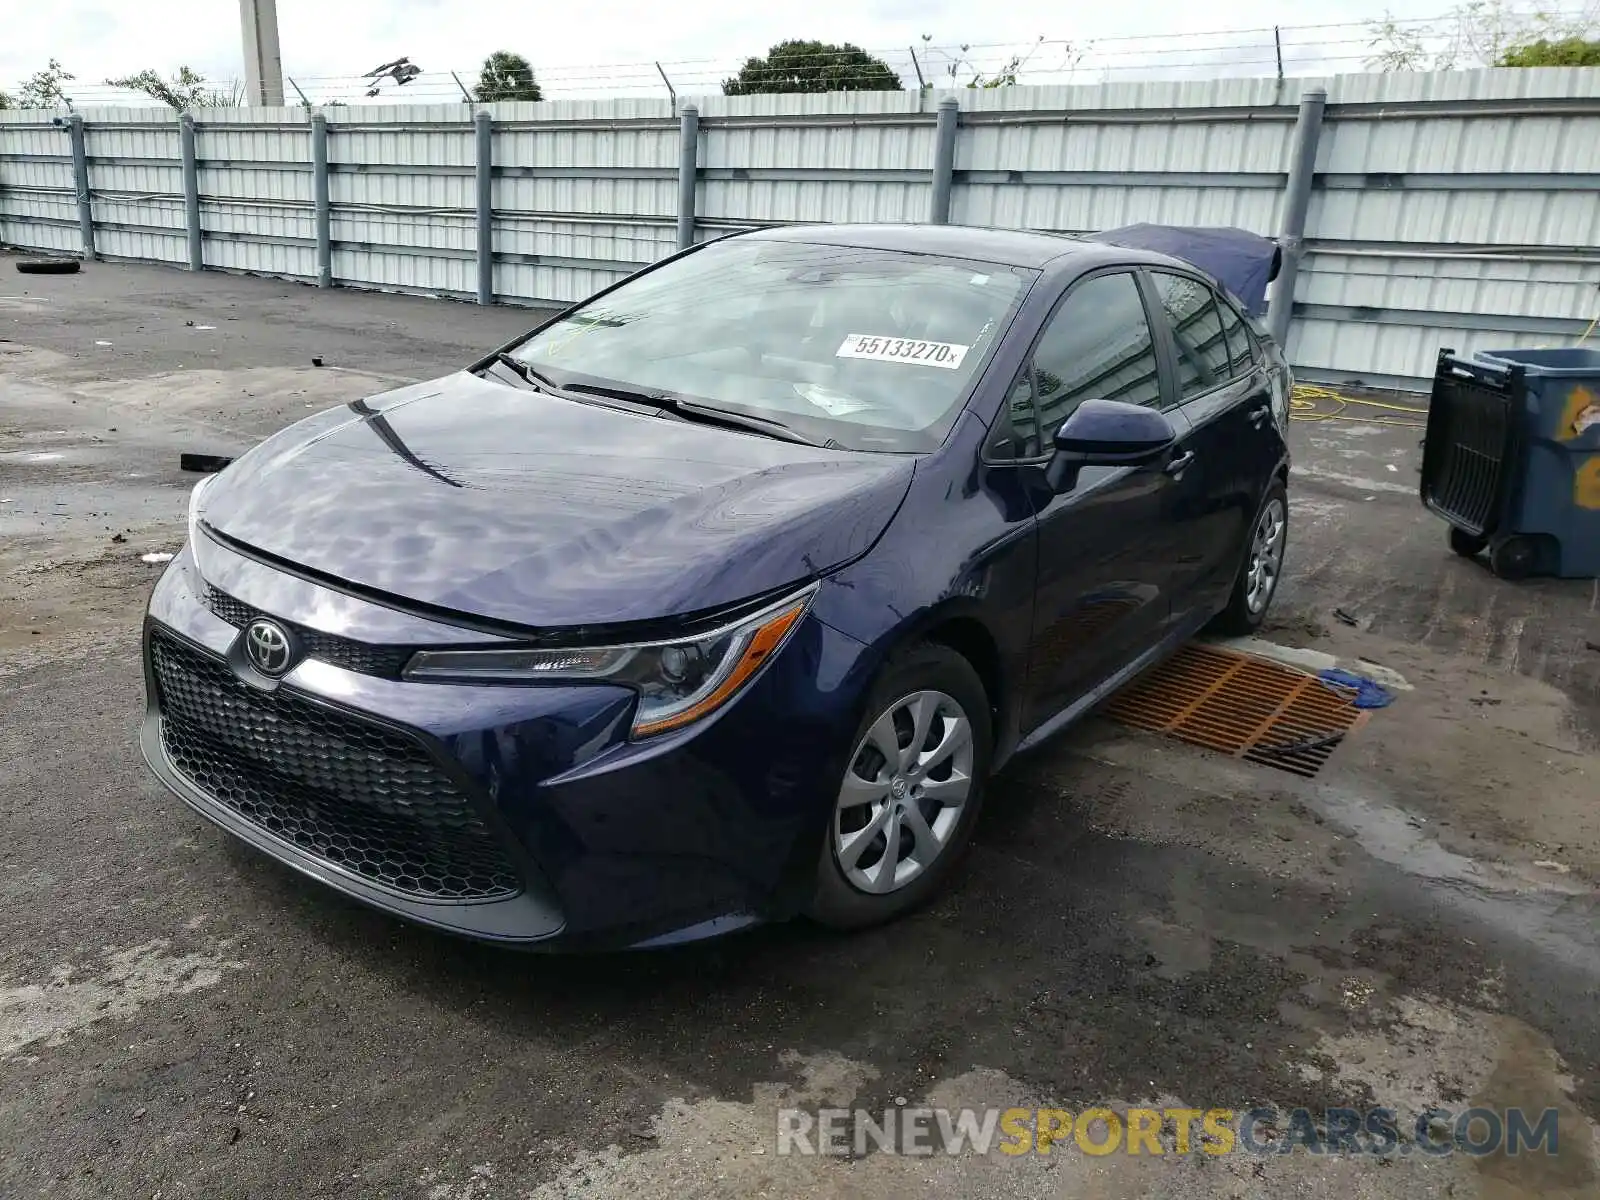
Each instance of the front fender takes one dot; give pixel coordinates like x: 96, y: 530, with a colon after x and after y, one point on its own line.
x: 961, y: 551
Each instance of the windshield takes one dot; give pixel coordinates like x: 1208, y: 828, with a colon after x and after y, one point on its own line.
x: 873, y: 349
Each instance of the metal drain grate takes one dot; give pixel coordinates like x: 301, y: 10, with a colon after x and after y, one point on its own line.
x: 1240, y: 705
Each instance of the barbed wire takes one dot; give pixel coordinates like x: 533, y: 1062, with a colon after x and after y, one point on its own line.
x: 442, y: 86
x: 1248, y: 52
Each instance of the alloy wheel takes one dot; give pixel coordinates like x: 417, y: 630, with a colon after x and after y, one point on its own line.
x: 903, y: 792
x: 1266, y: 556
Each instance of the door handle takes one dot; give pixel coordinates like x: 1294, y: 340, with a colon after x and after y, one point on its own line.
x: 1258, y: 415
x: 1176, y: 465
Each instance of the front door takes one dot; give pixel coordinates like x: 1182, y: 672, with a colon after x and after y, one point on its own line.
x: 1105, y: 545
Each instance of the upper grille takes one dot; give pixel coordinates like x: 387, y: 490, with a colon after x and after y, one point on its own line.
x: 366, y: 798
x: 387, y: 661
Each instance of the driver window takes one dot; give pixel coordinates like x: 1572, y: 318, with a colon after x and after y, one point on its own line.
x: 1098, y: 345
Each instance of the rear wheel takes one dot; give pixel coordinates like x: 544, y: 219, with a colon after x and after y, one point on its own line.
x: 1514, y: 558
x: 1258, y: 577
x: 910, y: 792
x: 1468, y: 545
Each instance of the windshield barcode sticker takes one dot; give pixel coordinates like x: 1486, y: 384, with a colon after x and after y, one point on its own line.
x: 903, y: 350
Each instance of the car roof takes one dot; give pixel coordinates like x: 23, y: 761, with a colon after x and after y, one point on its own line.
x: 1004, y: 247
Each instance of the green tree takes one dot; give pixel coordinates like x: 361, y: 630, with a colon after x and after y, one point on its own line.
x: 1485, y: 33
x: 5, y: 100
x: 47, y: 88
x: 186, y: 89
x: 1568, y: 52
x: 506, y: 76
x: 812, y: 67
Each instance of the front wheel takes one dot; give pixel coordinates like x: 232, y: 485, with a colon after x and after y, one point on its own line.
x: 910, y: 791
x: 1257, y: 582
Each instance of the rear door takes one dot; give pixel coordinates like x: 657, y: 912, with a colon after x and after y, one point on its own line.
x: 1105, y: 547
x: 1226, y: 400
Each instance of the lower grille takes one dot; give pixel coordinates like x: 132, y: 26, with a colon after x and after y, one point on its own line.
x: 365, y: 798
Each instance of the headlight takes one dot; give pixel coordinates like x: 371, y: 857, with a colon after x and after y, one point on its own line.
x: 194, y: 504
x: 678, y: 682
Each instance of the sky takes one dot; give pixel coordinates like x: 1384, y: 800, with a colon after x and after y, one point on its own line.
x: 607, y: 46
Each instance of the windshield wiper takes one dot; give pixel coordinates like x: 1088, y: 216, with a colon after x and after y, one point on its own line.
x: 525, y: 372
x: 689, y: 410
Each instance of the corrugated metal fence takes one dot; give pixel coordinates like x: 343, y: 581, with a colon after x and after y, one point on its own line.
x: 1456, y: 209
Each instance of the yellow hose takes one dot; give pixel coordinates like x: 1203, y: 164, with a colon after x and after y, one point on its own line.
x: 1313, y: 403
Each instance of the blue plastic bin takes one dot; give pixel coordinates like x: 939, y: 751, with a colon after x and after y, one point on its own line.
x: 1512, y: 459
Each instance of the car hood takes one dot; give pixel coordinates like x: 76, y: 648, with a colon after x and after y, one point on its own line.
x: 519, y: 507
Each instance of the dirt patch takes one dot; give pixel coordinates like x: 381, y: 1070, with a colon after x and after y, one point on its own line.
x: 54, y: 609
x: 1424, y: 1053
x: 46, y: 1013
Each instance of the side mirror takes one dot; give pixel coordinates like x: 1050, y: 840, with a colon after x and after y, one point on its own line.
x: 1107, y: 433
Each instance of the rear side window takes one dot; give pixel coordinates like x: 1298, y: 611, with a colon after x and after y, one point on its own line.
x: 1203, y: 359
x: 1097, y: 346
x: 1241, y: 355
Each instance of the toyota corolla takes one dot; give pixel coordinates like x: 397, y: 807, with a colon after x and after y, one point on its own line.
x: 717, y: 598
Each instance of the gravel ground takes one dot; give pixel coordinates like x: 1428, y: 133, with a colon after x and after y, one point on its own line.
x: 1140, y: 923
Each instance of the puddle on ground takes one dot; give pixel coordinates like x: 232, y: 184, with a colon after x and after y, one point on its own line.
x: 1556, y: 914
x: 1395, y: 836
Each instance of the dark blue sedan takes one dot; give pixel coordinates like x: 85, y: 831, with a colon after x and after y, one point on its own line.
x: 718, y: 597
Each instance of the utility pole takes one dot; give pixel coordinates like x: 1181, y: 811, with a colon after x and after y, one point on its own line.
x: 263, y: 61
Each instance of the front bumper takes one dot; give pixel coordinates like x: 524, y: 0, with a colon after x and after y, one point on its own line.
x: 511, y: 814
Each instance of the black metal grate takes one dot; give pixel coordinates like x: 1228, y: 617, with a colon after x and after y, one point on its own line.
x: 1466, y: 450
x: 387, y: 661
x: 368, y: 799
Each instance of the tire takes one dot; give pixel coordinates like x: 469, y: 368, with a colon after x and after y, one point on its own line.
x: 1247, y: 608
x: 49, y: 266
x: 1514, y: 558
x: 937, y: 676
x: 1468, y: 545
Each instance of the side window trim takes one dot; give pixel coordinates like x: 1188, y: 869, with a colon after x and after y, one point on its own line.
x: 1004, y: 431
x: 1166, y: 350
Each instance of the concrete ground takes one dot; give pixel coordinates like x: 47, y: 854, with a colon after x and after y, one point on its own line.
x: 1139, y: 922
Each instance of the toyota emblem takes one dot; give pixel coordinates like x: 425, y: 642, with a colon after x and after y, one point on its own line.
x: 268, y: 648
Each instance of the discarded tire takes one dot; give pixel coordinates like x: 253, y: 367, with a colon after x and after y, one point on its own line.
x: 49, y: 266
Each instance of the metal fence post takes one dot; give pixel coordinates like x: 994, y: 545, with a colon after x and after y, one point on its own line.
x: 484, y: 126
x: 944, y: 160
x: 1296, y: 202
x: 191, y: 190
x: 80, y: 174
x: 320, y: 200
x: 688, y: 172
